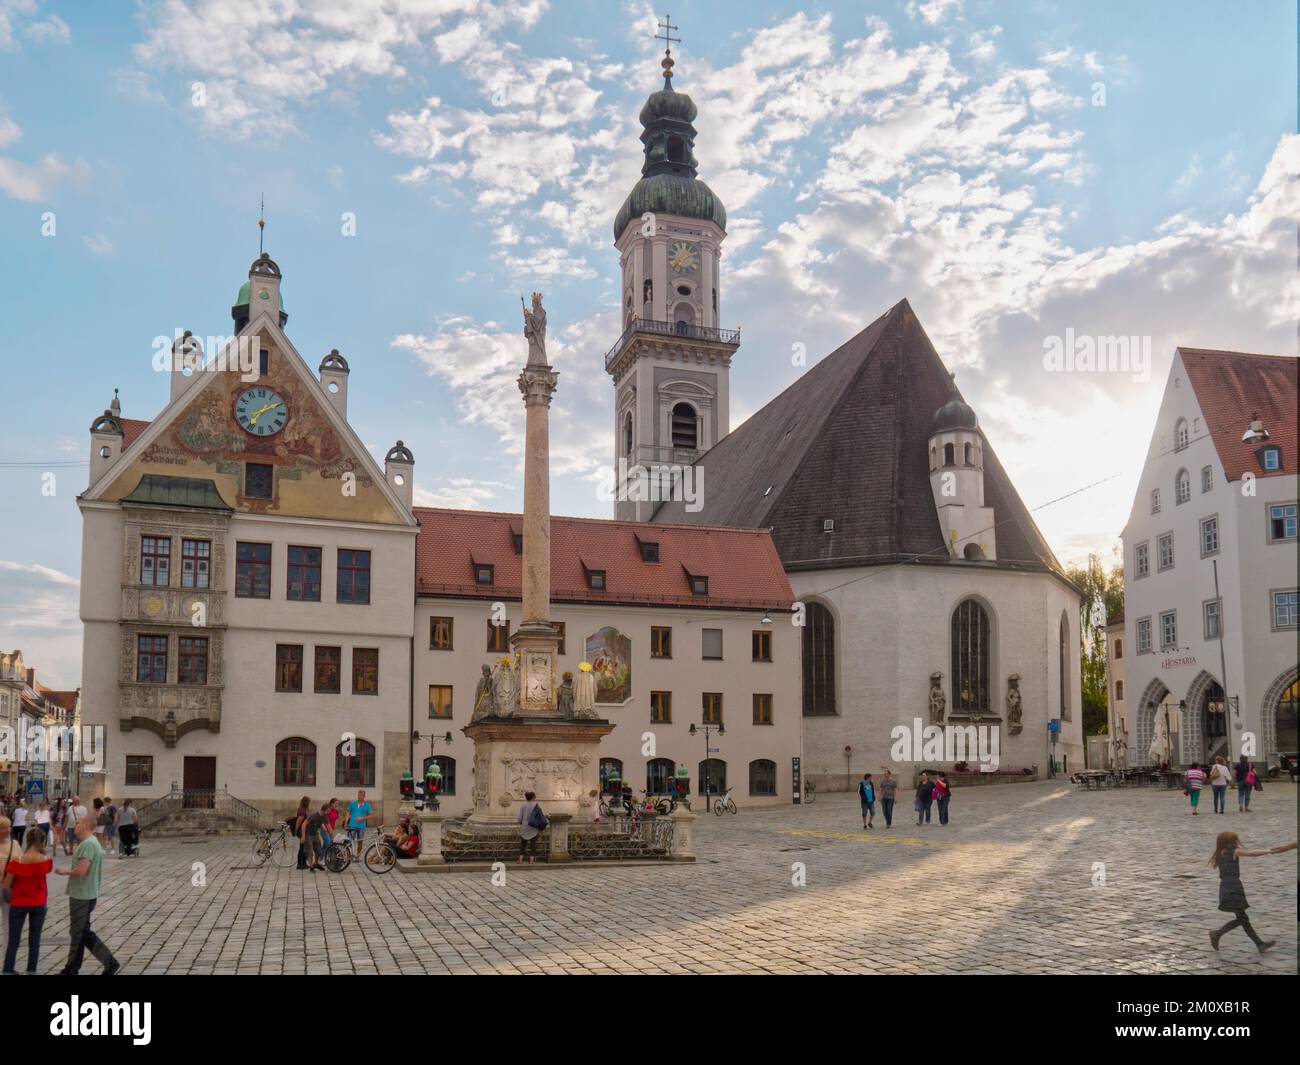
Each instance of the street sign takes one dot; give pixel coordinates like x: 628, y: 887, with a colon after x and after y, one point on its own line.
x: 796, y: 792
x: 36, y: 787
x: 714, y: 750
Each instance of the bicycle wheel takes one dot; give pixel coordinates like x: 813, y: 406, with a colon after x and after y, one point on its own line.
x: 284, y: 851
x: 731, y: 806
x: 380, y: 857
x: 717, y: 807
x: 261, y: 851
x: 338, y: 856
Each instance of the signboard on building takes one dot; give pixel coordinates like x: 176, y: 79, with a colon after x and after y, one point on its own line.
x: 796, y: 789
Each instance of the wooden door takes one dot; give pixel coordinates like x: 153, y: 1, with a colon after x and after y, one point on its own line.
x: 200, y: 782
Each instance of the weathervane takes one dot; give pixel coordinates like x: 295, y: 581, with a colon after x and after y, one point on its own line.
x: 261, y: 226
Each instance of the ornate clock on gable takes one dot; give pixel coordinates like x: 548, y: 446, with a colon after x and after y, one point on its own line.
x: 261, y: 411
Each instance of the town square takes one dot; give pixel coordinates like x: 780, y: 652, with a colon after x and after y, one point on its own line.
x: 561, y: 488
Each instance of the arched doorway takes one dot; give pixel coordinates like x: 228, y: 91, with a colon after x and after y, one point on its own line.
x: 1278, y: 714
x: 1153, y: 699
x: 1206, y: 722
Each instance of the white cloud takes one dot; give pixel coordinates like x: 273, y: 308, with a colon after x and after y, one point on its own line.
x: 39, y: 608
x: 52, y: 30
x: 461, y: 493
x: 98, y: 244
x: 933, y: 12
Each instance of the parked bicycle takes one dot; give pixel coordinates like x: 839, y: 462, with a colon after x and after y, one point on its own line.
x: 809, y: 792
x: 726, y: 804
x: 378, y: 856
x: 278, y: 844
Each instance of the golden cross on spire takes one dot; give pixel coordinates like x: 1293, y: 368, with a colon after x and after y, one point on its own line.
x: 667, y: 37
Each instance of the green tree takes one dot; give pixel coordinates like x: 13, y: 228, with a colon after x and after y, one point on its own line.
x: 1103, y: 597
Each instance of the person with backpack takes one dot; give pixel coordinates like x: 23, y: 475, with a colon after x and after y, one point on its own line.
x: 867, y: 796
x: 943, y: 795
x: 1220, y: 778
x: 531, y: 822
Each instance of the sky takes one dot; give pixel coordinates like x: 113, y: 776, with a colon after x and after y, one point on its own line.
x: 1015, y: 170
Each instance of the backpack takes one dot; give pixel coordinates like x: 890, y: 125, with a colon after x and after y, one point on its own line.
x: 537, y: 819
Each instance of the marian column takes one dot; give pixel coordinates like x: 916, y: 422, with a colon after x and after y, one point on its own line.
x: 537, y: 640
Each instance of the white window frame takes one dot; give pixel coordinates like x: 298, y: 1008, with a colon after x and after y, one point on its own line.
x: 1206, y: 552
x: 1142, y: 552
x: 1155, y: 501
x: 1169, y: 642
x: 1212, y: 607
x: 1144, y: 647
x: 1207, y: 479
x: 1295, y: 522
x: 1182, y: 487
x: 1293, y: 609
x: 1161, y: 565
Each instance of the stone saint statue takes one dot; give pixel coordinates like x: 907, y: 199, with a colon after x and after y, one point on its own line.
x: 584, y: 693
x: 505, y: 689
x: 483, y: 696
x: 938, y: 704
x: 1014, y: 719
x: 564, y: 697
x: 535, y: 330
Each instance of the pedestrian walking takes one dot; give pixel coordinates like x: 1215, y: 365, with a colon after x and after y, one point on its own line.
x: 128, y: 829
x: 1227, y: 856
x: 311, y: 837
x: 25, y: 885
x: 58, y: 821
x: 9, y: 852
x: 359, y: 812
x: 83, y: 893
x: 110, y: 825
x: 1244, y: 787
x: 304, y: 811
x: 867, y: 796
x: 942, y: 795
x: 531, y: 822
x: 1194, y: 779
x: 1220, y: 778
x: 888, y: 795
x: 924, y: 798
x: 42, y: 817
x: 20, y: 820
x: 100, y: 818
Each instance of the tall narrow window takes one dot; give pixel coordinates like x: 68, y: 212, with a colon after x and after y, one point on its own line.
x: 192, y: 660
x: 1063, y: 667
x: 1155, y: 501
x: 762, y: 709
x: 661, y: 641
x: 1144, y: 636
x: 151, y: 659
x: 365, y: 671
x: 1142, y: 559
x: 329, y: 670
x: 155, y: 560
x: 1207, y: 478
x: 711, y: 641
x: 1211, y: 610
x: 288, y: 667
x: 259, y: 480
x: 1209, y: 536
x: 970, y: 658
x: 627, y: 434
x: 712, y: 708
x: 661, y: 707
x: 818, y: 661
x: 684, y: 430
x: 762, y: 777
x: 498, y: 637
x: 1180, y: 434
x: 762, y: 645
x: 440, y: 700
x: 1165, y: 551
x: 1182, y: 487
x: 295, y: 762
x: 1169, y: 631
x: 440, y: 630
x: 196, y: 559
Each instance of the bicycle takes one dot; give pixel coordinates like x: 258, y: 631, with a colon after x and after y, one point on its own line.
x: 279, y: 844
x: 379, y: 856
x: 726, y: 804
x: 809, y: 792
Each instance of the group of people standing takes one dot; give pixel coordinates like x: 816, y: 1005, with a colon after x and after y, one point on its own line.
x: 929, y: 792
x: 315, y: 828
x: 1220, y: 776
x: 117, y: 828
x: 24, y: 894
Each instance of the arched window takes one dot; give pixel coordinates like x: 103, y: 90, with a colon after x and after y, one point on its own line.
x: 356, y: 769
x: 1288, y: 707
x: 970, y: 658
x: 611, y: 769
x: 1119, y: 648
x: 713, y: 776
x: 448, y: 767
x: 949, y: 455
x: 676, y: 150
x: 1214, y: 719
x: 685, y: 432
x: 659, y: 776
x: 1182, y: 487
x: 973, y: 553
x: 969, y: 456
x: 1180, y: 434
x: 684, y: 315
x: 934, y: 458
x: 762, y: 777
x: 627, y: 434
x: 818, y: 661
x: 1063, y: 667
x: 295, y: 762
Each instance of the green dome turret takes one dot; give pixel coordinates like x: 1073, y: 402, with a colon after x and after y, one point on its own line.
x: 669, y: 184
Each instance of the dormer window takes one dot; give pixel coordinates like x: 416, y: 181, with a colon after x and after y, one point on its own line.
x: 1270, y: 458
x: 649, y: 550
x: 518, y: 539
x: 484, y: 574
x: 699, y: 584
x: 828, y: 525
x: 596, y: 580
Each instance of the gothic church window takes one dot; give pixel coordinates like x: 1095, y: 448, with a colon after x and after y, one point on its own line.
x: 818, y: 661
x: 970, y: 658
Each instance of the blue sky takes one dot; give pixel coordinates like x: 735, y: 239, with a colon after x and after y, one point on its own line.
x: 955, y: 152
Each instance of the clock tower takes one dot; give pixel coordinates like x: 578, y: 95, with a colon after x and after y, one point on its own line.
x: 670, y: 366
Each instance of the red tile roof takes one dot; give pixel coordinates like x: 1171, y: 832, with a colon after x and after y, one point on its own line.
x: 65, y: 699
x: 742, y: 565
x: 132, y: 428
x: 1233, y: 385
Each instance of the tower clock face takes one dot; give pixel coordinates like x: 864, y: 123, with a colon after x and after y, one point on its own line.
x: 261, y: 411
x: 684, y: 256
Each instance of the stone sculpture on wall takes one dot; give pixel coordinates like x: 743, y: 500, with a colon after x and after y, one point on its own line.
x: 584, y: 694
x: 564, y: 697
x: 1015, y: 720
x: 483, y: 696
x: 505, y: 689
x: 938, y: 704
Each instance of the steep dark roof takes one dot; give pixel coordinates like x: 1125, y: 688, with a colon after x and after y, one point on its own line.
x: 849, y: 441
x: 156, y: 489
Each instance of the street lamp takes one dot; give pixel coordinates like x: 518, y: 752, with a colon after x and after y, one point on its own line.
x: 708, y: 731
x: 432, y: 775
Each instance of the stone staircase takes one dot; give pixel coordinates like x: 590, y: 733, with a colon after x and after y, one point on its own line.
x: 197, y: 814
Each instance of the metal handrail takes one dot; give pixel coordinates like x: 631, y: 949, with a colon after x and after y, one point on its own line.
x: 670, y: 329
x: 218, y: 800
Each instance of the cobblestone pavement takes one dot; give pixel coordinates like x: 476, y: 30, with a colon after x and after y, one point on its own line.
x: 1007, y: 887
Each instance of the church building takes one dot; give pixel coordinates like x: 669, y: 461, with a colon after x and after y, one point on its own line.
x: 925, y: 589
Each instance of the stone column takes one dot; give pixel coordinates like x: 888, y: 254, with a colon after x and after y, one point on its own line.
x: 537, y: 383
x: 683, y: 847
x: 560, y: 837
x: 430, y: 838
